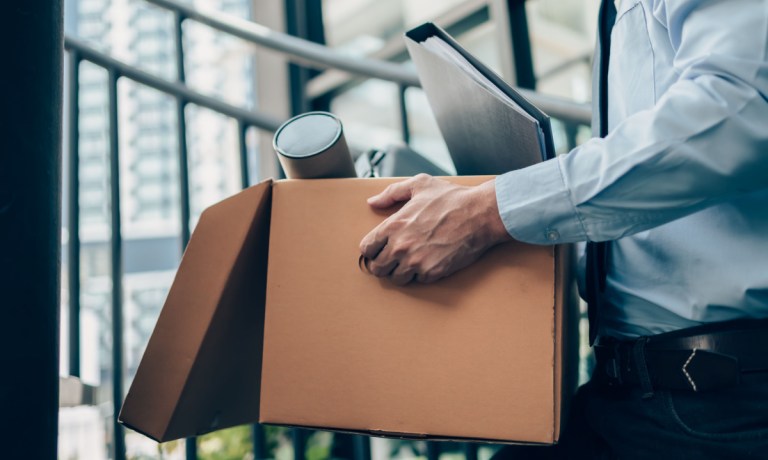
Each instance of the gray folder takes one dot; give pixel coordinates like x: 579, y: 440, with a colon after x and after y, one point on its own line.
x: 489, y: 127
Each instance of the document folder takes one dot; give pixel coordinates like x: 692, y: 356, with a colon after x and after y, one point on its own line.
x: 489, y: 127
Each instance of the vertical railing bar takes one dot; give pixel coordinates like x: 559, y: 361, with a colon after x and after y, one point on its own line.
x: 433, y: 450
x: 117, y: 269
x: 190, y: 444
x: 257, y: 431
x: 190, y: 448
x: 470, y: 451
x: 259, y: 442
x: 404, y: 129
x: 362, y: 445
x: 299, y: 436
x: 181, y: 123
x: 74, y: 214
x: 179, y: 44
x: 242, y: 130
x: 521, y: 44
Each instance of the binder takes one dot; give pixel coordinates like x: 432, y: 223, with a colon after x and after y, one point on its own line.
x: 489, y: 127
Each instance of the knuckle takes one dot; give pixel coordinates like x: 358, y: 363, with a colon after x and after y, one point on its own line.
x: 418, y: 263
x: 374, y: 241
x: 419, y: 181
x: 399, y: 249
x: 389, y: 226
x: 376, y: 268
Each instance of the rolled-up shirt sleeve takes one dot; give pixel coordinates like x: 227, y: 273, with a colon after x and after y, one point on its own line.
x: 704, y: 141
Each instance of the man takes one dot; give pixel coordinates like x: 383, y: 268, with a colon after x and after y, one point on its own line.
x: 679, y: 187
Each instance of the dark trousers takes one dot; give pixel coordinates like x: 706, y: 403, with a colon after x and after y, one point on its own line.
x: 617, y: 423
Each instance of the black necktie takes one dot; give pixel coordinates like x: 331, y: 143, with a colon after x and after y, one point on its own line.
x: 597, y: 253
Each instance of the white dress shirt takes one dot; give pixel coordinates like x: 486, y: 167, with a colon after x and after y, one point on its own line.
x: 681, y: 181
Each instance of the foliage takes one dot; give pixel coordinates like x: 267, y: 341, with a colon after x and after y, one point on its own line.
x: 230, y: 444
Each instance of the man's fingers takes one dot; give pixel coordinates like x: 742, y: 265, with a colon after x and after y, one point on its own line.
x: 383, y: 264
x: 372, y: 244
x: 394, y: 193
x: 403, y: 275
x: 428, y: 277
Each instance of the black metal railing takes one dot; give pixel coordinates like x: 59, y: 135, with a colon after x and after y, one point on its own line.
x: 298, y: 51
x: 307, y: 53
x: 79, y: 52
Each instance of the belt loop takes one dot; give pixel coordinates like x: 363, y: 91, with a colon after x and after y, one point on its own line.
x: 638, y: 353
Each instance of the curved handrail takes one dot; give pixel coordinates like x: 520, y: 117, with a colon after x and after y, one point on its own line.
x: 176, y: 89
x: 319, y: 56
x: 305, y: 51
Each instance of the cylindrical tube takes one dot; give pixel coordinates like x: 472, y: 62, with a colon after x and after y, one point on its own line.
x: 312, y: 146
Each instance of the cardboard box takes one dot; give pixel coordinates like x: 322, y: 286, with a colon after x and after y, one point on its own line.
x: 480, y: 355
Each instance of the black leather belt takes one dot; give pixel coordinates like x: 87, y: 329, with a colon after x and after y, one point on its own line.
x: 708, y: 357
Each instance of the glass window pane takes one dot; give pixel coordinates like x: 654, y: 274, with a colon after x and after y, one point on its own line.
x: 370, y: 115
x: 361, y: 27
x: 562, y: 42
x: 425, y: 134
x: 214, y: 164
x: 149, y: 165
x: 219, y: 65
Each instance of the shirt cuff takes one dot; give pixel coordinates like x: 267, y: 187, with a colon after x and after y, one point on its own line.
x: 535, y: 205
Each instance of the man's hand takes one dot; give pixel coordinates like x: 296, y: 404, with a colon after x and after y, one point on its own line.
x: 442, y: 228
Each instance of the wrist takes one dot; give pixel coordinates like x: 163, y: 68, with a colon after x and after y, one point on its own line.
x: 494, y: 226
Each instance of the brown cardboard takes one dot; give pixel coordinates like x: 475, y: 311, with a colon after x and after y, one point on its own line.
x: 202, y: 365
x: 471, y: 356
x: 476, y: 356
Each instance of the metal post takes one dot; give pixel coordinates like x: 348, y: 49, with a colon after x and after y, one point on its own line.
x: 30, y: 225
x: 433, y: 450
x: 362, y: 447
x: 178, y: 23
x: 404, y: 129
x: 242, y: 130
x: 190, y: 448
x: 470, y: 451
x: 117, y: 268
x: 181, y: 123
x: 73, y: 209
x: 521, y: 44
x: 299, y: 437
x: 295, y: 12
x: 259, y: 442
x: 304, y: 19
x: 190, y: 444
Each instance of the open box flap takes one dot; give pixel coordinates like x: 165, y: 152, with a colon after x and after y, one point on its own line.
x: 203, y: 361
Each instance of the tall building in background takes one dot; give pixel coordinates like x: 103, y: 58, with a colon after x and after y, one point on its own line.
x: 140, y: 34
